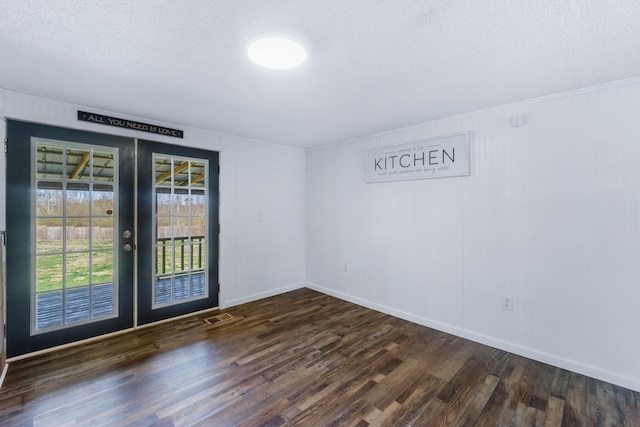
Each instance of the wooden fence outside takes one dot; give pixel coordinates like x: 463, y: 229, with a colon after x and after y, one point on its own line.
x: 46, y: 232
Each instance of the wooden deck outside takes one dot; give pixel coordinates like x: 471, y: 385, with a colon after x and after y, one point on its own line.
x: 81, y: 306
x: 302, y: 358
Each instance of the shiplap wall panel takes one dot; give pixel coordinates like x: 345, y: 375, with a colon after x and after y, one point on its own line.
x: 550, y: 216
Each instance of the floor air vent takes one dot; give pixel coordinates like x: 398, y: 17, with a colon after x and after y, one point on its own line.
x: 218, y: 318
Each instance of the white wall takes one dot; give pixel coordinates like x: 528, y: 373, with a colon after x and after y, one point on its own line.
x: 257, y: 259
x: 549, y: 215
x: 264, y: 223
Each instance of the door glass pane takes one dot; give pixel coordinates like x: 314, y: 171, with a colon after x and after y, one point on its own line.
x: 49, y: 272
x: 50, y: 161
x: 102, y: 267
x: 77, y: 234
x: 77, y: 269
x: 102, y: 300
x: 49, y: 235
x: 202, y: 262
x: 49, y: 198
x: 103, y: 166
x: 180, y: 227
x: 198, y: 202
x: 163, y: 169
x: 198, y: 253
x: 77, y: 304
x: 77, y: 164
x: 197, y: 226
x: 102, y: 233
x: 49, y: 310
x: 102, y: 200
x: 181, y: 201
x: 74, y: 238
x: 197, y: 174
x: 78, y: 196
x: 180, y: 173
x: 163, y: 201
x: 197, y: 285
x: 180, y: 219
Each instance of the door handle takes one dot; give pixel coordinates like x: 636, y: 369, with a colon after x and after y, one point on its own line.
x: 126, y: 234
x: 127, y: 247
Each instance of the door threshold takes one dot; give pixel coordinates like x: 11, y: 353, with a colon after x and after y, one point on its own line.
x: 105, y: 336
x: 69, y: 345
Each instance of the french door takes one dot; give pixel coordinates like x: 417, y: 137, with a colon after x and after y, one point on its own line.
x: 178, y: 227
x: 72, y: 241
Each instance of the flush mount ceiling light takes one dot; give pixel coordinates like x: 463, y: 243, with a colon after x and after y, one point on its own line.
x: 275, y: 51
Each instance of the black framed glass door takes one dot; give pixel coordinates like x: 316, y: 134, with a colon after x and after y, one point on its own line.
x: 70, y: 208
x: 71, y: 244
x: 178, y: 229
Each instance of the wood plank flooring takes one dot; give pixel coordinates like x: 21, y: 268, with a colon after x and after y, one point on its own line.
x: 307, y: 359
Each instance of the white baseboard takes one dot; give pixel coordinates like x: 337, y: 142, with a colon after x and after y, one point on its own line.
x: 261, y: 295
x: 530, y: 353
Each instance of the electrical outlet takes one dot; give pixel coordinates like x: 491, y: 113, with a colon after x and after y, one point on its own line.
x: 507, y: 302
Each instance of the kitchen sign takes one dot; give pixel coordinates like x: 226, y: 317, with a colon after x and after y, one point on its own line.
x: 433, y: 158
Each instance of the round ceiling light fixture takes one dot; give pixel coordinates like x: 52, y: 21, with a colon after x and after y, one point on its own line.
x: 275, y: 51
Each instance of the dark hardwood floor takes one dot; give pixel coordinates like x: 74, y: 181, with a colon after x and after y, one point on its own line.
x: 302, y: 358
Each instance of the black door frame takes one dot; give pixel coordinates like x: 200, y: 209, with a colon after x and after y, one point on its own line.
x: 146, y: 313
x: 18, y: 221
x: 19, y: 251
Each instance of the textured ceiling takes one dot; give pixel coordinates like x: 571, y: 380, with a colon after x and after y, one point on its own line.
x: 372, y: 65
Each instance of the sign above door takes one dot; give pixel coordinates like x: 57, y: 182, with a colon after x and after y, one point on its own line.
x: 128, y: 124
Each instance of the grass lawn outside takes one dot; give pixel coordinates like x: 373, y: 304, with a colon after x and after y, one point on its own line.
x: 81, y: 262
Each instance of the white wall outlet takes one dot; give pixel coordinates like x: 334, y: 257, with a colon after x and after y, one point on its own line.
x: 507, y: 302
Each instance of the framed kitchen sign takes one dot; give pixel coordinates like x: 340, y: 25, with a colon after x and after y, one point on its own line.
x: 440, y: 157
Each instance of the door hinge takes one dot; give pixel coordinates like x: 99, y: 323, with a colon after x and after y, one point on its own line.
x: 218, y: 169
x: 6, y: 145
